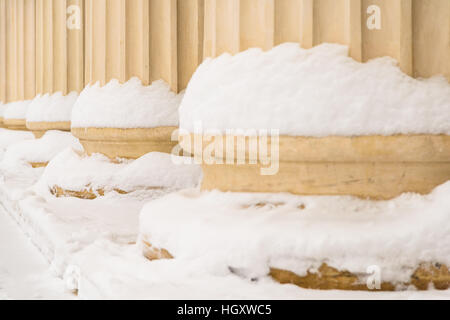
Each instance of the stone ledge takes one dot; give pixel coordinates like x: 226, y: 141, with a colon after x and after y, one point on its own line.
x: 329, y: 278
x: 38, y: 164
x: 40, y: 128
x: 15, y: 124
x: 125, y: 143
x: 89, y: 193
x: 377, y: 181
x: 152, y: 253
x: 375, y: 148
x: 377, y: 167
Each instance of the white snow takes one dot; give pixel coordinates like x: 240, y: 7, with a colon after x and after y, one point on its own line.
x: 315, y: 92
x: 24, y: 273
x: 92, y: 243
x: 153, y: 170
x: 128, y: 105
x: 2, y: 109
x: 40, y: 150
x: 51, y: 108
x: 296, y: 233
x: 10, y: 137
x: 125, y: 274
x: 16, y: 110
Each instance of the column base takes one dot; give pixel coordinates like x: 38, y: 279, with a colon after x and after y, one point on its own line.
x: 375, y: 167
x: 426, y: 276
x: 15, y: 124
x: 86, y: 194
x: 374, y: 180
x: 328, y: 278
x: 125, y: 143
x: 40, y: 128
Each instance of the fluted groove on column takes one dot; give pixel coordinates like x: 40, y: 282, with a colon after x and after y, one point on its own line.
x: 2, y: 51
x: 11, y: 51
x: 355, y: 26
x: 256, y: 24
x: 163, y: 42
x: 168, y: 39
x: 20, y: 43
x: 190, y: 25
x: 75, y: 51
x: 30, y: 49
x: 59, y: 56
x: 39, y: 46
x: 59, y: 35
x: 406, y: 37
x: 288, y: 21
x: 137, y: 40
x: 48, y: 57
x: 307, y: 24
x: 115, y: 45
x: 431, y: 34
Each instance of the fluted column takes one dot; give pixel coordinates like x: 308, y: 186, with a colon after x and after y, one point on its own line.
x: 11, y: 51
x: 431, y: 34
x: 3, y: 51
x: 148, y: 39
x: 75, y: 45
x: 288, y: 21
x: 59, y: 46
x: 190, y: 34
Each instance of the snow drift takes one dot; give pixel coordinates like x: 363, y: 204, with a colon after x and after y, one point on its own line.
x: 16, y: 110
x: 41, y: 150
x: 252, y: 232
x: 98, y: 172
x: 51, y: 108
x: 315, y: 92
x: 128, y: 105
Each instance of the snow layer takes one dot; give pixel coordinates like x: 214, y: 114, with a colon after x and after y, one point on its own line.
x: 252, y: 232
x: 10, y: 137
x: 98, y: 172
x: 91, y: 243
x: 24, y: 273
x: 127, y: 275
x: 2, y: 109
x: 41, y: 150
x: 51, y: 108
x: 315, y: 92
x: 16, y: 110
x: 128, y: 105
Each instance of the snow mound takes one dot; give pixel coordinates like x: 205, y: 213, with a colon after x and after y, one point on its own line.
x: 128, y: 105
x: 41, y: 150
x: 252, y: 232
x: 2, y: 109
x: 51, y: 108
x: 16, y: 110
x: 316, y: 92
x: 72, y: 171
x: 11, y: 137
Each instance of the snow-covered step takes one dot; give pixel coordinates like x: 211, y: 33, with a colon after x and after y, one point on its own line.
x: 394, y: 243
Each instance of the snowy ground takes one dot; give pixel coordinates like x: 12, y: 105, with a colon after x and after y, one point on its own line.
x: 24, y: 273
x: 91, y: 244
